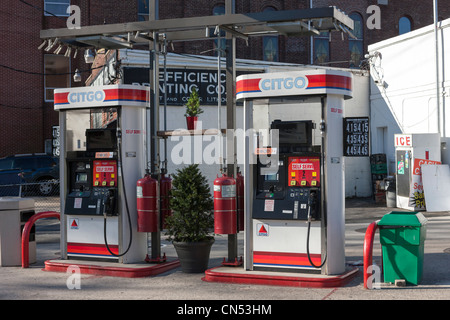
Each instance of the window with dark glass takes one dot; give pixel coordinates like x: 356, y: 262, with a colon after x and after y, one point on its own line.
x: 217, y: 11
x: 356, y: 45
x: 6, y: 164
x: 143, y: 10
x: 404, y: 25
x: 321, y: 48
x: 270, y: 44
x: 56, y: 69
x: 56, y: 7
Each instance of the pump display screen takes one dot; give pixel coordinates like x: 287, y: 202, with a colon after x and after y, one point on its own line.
x: 101, y: 139
x: 271, y: 177
x: 295, y: 132
x: 81, y: 177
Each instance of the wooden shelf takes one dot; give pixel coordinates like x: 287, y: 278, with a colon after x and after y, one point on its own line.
x: 185, y: 132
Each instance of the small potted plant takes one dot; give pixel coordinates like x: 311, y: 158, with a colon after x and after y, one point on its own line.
x: 192, y: 109
x: 191, y: 223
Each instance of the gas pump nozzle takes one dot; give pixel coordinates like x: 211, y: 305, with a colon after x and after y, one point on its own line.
x: 105, y: 209
x: 311, y: 203
x: 109, y: 203
x: 308, y: 220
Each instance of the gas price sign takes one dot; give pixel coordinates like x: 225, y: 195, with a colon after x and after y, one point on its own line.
x: 356, y: 137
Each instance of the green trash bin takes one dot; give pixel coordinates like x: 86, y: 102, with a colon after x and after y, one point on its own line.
x: 402, y: 237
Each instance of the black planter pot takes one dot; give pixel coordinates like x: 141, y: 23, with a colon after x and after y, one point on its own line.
x: 193, y: 256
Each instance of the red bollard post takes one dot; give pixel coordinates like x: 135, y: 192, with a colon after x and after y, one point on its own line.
x: 26, y: 233
x: 368, y: 250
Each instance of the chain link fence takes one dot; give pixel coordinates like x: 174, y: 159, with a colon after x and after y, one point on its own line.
x: 44, y: 192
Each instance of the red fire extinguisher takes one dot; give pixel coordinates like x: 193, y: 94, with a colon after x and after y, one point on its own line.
x: 165, y: 185
x: 147, y: 204
x: 240, y: 200
x: 225, y: 221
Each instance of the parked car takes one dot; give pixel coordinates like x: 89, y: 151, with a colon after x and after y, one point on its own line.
x: 38, y: 172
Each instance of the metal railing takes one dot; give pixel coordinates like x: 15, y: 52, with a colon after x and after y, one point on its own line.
x: 45, y: 193
x: 26, y: 234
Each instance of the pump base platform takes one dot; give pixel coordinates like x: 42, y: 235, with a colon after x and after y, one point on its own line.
x: 112, y: 269
x: 288, y: 279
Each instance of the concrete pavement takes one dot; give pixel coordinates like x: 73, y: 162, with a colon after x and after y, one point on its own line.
x: 35, y: 284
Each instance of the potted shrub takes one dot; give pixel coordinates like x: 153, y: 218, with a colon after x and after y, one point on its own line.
x: 192, y: 109
x: 191, y: 223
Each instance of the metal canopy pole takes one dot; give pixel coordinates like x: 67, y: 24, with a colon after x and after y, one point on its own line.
x: 230, y: 41
x: 248, y: 178
x: 436, y: 61
x: 219, y: 98
x: 153, y: 118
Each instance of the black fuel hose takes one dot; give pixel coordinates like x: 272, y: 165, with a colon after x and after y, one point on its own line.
x: 119, y: 145
x: 307, y: 242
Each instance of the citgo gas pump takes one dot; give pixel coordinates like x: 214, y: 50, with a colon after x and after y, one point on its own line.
x: 294, y: 176
x: 288, y: 187
x: 93, y: 182
x: 102, y: 156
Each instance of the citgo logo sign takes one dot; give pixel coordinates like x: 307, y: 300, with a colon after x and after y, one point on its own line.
x: 283, y: 83
x: 89, y: 96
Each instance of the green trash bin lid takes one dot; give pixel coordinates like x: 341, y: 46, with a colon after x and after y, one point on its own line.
x: 399, y: 218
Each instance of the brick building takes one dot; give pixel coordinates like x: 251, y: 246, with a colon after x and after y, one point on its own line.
x: 29, y: 75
